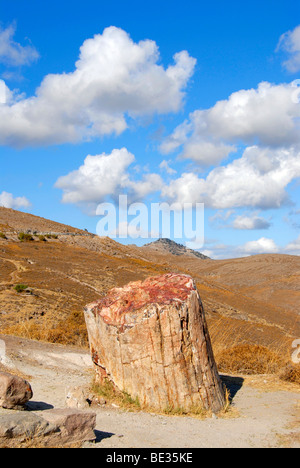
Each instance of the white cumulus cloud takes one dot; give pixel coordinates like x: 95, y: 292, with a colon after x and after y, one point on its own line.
x: 266, y: 116
x: 258, y: 180
x: 9, y: 201
x: 12, y: 53
x: 260, y: 246
x: 250, y: 223
x: 290, y: 43
x: 114, y: 77
x: 106, y: 176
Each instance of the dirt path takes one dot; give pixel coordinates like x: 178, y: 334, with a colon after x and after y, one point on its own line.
x: 14, y: 275
x: 263, y: 417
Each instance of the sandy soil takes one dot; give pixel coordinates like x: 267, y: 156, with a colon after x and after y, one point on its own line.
x: 266, y: 413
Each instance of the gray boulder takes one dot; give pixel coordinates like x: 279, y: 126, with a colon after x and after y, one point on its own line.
x: 53, y: 428
x: 22, y: 426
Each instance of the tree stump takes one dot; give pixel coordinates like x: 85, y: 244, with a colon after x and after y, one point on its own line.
x: 151, y: 340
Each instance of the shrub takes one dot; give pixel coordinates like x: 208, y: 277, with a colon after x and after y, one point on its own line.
x: 2, y: 235
x: 42, y: 238
x: 20, y: 287
x: 25, y: 237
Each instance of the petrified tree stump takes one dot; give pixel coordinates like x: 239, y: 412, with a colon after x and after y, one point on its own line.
x: 151, y: 340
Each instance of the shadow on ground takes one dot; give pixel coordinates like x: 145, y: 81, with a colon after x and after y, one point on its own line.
x: 100, y: 435
x: 38, y: 406
x: 233, y: 385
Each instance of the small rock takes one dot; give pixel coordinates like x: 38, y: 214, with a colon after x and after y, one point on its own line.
x: 98, y: 401
x: 15, y: 392
x: 77, y: 398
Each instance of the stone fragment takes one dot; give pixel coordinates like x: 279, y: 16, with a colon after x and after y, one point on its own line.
x: 77, y: 397
x: 151, y: 340
x: 15, y: 392
x: 72, y: 425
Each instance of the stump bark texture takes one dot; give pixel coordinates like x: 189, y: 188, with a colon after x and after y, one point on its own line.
x: 151, y: 340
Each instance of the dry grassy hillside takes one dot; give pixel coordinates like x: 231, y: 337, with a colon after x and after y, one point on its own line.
x: 249, y: 301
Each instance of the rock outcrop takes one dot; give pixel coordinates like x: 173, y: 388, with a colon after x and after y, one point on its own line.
x: 167, y: 246
x: 53, y: 428
x: 17, y: 427
x: 15, y: 392
x: 151, y: 340
x: 72, y: 425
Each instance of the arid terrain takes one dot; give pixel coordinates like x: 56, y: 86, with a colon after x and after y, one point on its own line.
x: 247, y: 300
x: 251, y: 304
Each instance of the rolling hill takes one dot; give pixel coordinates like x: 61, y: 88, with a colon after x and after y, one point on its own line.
x: 253, y: 300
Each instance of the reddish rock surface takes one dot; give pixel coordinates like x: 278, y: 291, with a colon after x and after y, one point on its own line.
x: 119, y: 307
x: 151, y: 340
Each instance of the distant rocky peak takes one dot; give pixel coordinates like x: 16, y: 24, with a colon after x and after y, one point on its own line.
x: 169, y: 246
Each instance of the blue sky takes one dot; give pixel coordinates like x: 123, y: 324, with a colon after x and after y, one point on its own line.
x: 177, y: 102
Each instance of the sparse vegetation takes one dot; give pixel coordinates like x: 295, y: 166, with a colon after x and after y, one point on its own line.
x: 20, y: 288
x: 245, y: 339
x: 198, y: 411
x: 42, y: 238
x: 291, y: 373
x: 24, y: 237
x: 250, y: 359
x: 110, y: 393
x: 237, y: 352
x: 2, y: 235
x: 71, y: 331
x: 36, y: 442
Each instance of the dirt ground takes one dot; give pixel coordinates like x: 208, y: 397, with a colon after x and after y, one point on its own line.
x: 265, y: 413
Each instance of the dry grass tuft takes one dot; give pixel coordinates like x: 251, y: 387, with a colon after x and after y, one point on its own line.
x: 111, y: 394
x: 123, y: 400
x: 71, y: 331
x: 291, y: 373
x: 249, y: 359
x: 37, y: 443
